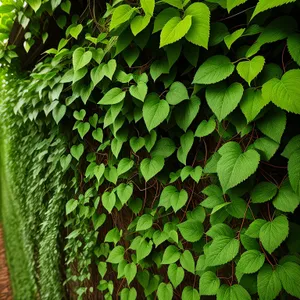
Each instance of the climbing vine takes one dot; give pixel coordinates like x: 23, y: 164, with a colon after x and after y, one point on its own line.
x: 174, y: 167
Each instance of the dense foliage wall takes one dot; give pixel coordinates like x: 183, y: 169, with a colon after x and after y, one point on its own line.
x: 164, y: 136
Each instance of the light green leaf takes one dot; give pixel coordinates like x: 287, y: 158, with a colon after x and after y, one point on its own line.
x: 177, y: 93
x: 136, y: 143
x: 263, y: 5
x: 128, y: 294
x: 113, y: 96
x: 268, y: 283
x: 191, y: 230
x: 293, y: 145
x: 124, y: 191
x: 254, y: 228
x: 164, y: 147
x: 121, y: 15
x: 222, y: 100
x: 231, y: 38
x: 287, y: 200
x: 83, y: 128
x: 214, y: 69
x: 139, y: 91
x: 163, y: 17
x: 293, y: 43
x: 205, y: 128
x: 58, y: 112
x: 273, y: 233
x: 109, y: 200
x: 186, y: 142
x: 248, y: 70
x: 222, y: 250
x: 145, y: 222
x: 116, y: 255
x: 155, y: 111
x: 71, y: 206
x: 234, y: 3
x: 171, y: 255
x: 130, y: 271
x: 220, y: 230
x: 148, y: 6
x: 175, y: 274
x: 189, y: 293
x: 187, y: 261
x: 233, y: 292
x: 198, y: 33
x: 186, y: 112
x: 98, y: 135
x: 81, y: 58
x: 174, y: 30
x: 99, y: 171
x: 294, y: 171
x: 266, y: 147
x: 77, y: 151
x: 250, y: 262
x: 289, y: 274
x: 252, y: 103
x: 150, y: 167
x: 75, y: 31
x: 175, y: 3
x: 209, y: 284
x: 165, y: 291
x: 98, y: 220
x: 263, y: 192
x: 65, y: 161
x: 234, y: 166
x: 35, y: 4
x: 124, y: 165
x: 178, y: 200
x: 139, y: 23
x: 196, y: 173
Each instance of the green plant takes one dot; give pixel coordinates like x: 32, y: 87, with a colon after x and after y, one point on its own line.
x: 179, y: 120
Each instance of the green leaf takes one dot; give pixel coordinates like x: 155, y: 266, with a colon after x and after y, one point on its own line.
x: 109, y: 200
x: 113, y: 96
x: 139, y: 23
x: 163, y: 17
x: 175, y: 3
x: 186, y: 142
x: 217, y: 33
x: 77, y: 151
x: 145, y: 222
x: 231, y: 38
x: 165, y: 291
x: 222, y: 100
x: 214, y: 69
x: 164, y: 147
x: 83, y: 128
x: 98, y: 135
x: 155, y: 111
x: 187, y: 261
x: 190, y: 293
x: 263, y: 5
x: 286, y: 199
x: 81, y: 58
x: 196, y: 173
x: 175, y: 274
x: 273, y: 233
x: 220, y: 230
x: 65, y: 161
x: 174, y: 30
x: 293, y: 145
x: 159, y: 67
x: 233, y: 292
x: 191, y: 230
x: 205, y: 128
x: 124, y: 165
x: 148, y: 6
x: 266, y: 147
x: 263, y: 192
x: 293, y: 43
x: 136, y: 143
x: 130, y: 271
x: 99, y: 171
x: 128, y: 294
x: 139, y: 91
x: 177, y: 93
x: 35, y: 4
x: 250, y: 262
x: 289, y: 274
x: 209, y: 284
x: 252, y: 103
x: 98, y: 220
x: 71, y: 206
x: 121, y: 15
x: 75, y: 31
x: 248, y: 70
x: 234, y: 166
x: 284, y: 92
x: 178, y: 200
x: 234, y: 3
x: 222, y: 250
x: 116, y: 255
x: 198, y: 33
x: 58, y: 112
x: 171, y: 255
x: 186, y: 112
x: 273, y: 124
x: 268, y: 283
x: 124, y: 192
x: 150, y: 167
x: 294, y: 171
x: 254, y: 228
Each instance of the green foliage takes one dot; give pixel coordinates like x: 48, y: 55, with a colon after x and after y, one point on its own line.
x: 153, y: 129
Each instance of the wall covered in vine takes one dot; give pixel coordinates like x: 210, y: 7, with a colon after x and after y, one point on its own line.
x: 153, y: 147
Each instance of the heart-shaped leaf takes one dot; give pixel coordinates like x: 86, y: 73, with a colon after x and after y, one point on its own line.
x: 58, y: 112
x: 79, y: 115
x: 94, y: 120
x: 81, y: 58
x: 139, y: 91
x: 65, y: 161
x: 98, y: 135
x: 99, y: 171
x: 77, y: 151
x: 114, y: 96
x: 75, y: 31
x: 83, y: 128
x: 177, y: 93
x: 136, y: 143
x: 248, y: 70
x: 109, y: 200
x: 150, y: 167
